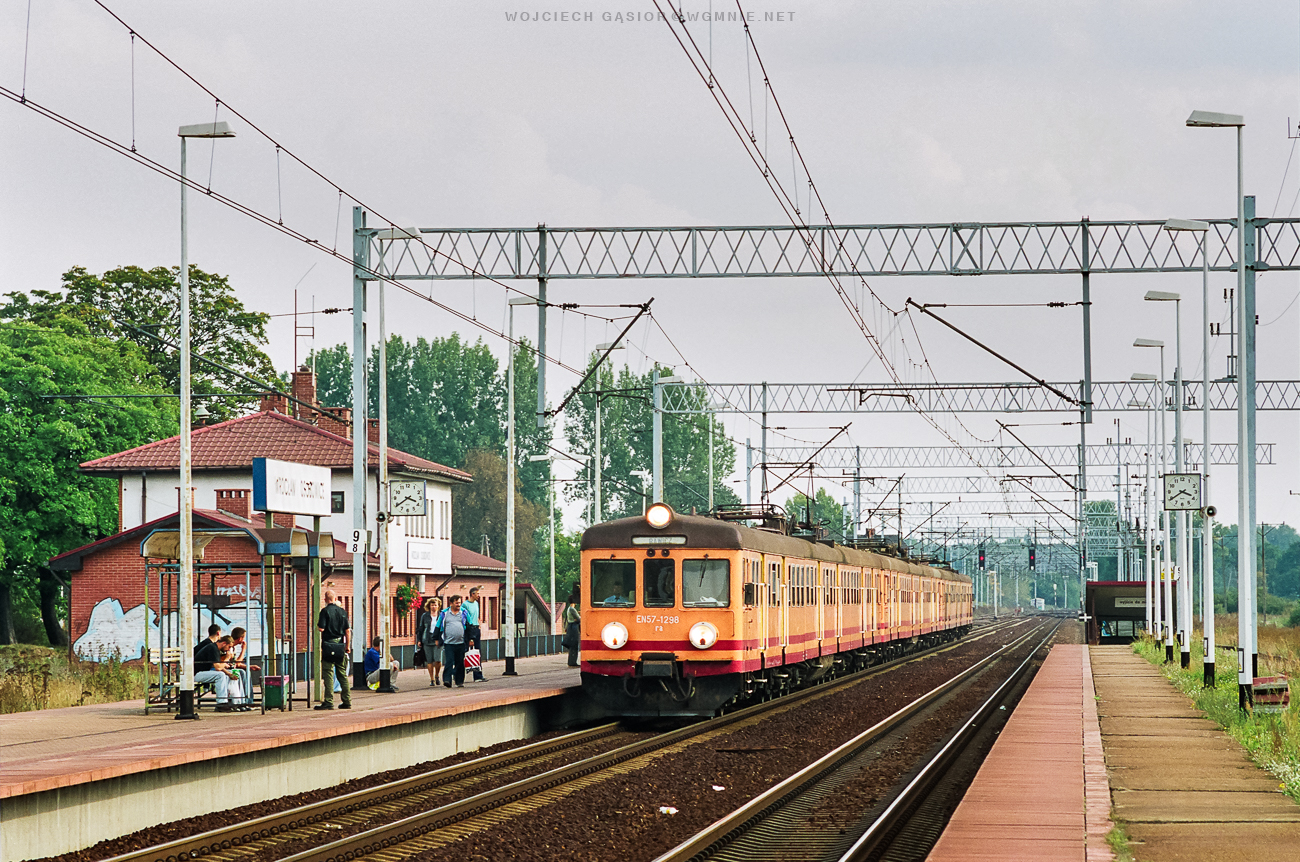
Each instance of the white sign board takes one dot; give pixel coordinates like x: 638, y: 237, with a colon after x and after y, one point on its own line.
x: 296, y: 489
x: 1130, y: 601
x: 419, y: 555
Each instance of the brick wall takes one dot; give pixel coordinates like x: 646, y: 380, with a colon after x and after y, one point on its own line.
x: 117, y: 573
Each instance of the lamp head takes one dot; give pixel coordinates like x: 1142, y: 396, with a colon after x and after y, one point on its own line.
x: 1146, y: 378
x: 1174, y: 224
x: 609, y: 345
x: 1147, y: 342
x: 522, y: 300
x: 206, y: 130
x: 1161, y: 296
x: 1214, y: 120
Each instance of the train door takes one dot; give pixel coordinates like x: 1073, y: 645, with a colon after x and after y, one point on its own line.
x: 752, y: 600
x: 785, y: 588
x: 773, y: 589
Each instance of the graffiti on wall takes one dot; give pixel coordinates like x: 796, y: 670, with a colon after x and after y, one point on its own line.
x: 115, y: 631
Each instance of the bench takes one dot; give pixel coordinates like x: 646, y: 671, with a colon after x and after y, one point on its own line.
x: 1271, y: 693
x: 163, y: 692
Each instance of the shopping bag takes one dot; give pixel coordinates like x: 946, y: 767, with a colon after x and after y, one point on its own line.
x: 473, y: 659
x: 418, y: 660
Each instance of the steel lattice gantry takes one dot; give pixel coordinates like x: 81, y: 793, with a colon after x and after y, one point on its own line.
x: 1114, y: 396
x: 874, y: 486
x: 1017, y: 457
x: 1002, y: 248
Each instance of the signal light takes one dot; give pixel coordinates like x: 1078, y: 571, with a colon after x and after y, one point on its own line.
x: 981, y: 557
x: 1032, y: 549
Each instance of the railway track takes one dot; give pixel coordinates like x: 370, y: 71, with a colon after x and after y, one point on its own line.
x: 789, y: 822
x: 416, y: 814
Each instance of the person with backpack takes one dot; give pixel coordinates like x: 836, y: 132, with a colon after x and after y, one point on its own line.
x: 451, y: 633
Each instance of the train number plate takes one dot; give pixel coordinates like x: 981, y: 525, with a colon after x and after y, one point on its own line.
x: 657, y: 619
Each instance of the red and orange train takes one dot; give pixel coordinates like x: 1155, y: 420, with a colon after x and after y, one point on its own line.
x: 684, y: 615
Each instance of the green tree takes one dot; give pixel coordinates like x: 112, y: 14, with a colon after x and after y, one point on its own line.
x: 143, y: 306
x: 481, y: 511
x: 627, y: 444
x: 826, y: 513
x: 447, y: 397
x: 51, y: 422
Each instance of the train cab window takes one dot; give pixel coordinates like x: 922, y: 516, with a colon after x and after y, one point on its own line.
x: 706, y: 583
x: 660, y: 586
x: 613, y: 583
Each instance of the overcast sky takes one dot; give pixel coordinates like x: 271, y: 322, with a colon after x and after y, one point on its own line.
x: 462, y: 114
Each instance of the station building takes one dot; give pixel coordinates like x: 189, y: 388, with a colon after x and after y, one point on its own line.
x: 121, y: 594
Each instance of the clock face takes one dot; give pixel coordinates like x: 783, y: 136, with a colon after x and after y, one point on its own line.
x: 406, y: 498
x: 1182, y: 491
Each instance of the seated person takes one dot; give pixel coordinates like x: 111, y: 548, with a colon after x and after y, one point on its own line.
x: 373, y: 659
x: 236, y: 688
x: 207, y: 656
x: 239, y: 659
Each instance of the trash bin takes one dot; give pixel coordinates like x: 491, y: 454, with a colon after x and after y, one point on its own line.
x: 273, y: 692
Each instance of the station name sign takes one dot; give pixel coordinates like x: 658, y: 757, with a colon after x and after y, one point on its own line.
x: 295, y: 489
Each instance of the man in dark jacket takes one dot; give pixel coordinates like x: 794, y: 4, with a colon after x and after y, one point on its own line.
x: 207, y: 657
x: 335, y: 635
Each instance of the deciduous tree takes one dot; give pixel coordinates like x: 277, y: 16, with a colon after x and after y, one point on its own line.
x: 53, y: 385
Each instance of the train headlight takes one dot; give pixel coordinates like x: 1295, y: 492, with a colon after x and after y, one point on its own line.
x: 659, y: 515
x: 703, y: 635
x: 614, y: 635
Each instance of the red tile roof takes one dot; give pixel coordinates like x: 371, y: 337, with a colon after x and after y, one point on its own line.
x: 464, y: 558
x: 235, y: 443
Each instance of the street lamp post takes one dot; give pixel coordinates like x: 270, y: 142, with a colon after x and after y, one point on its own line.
x: 657, y: 431
x: 1207, y: 511
x: 1247, y: 647
x: 1182, y: 566
x: 185, y: 588
x: 1166, y: 580
x: 597, y: 511
x: 508, y: 630
x: 1146, y: 503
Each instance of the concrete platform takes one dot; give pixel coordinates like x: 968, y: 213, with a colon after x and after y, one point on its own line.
x: 70, y: 778
x: 1183, y: 789
x: 1042, y: 793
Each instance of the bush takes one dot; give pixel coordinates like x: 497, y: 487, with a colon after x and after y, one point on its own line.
x: 1294, y: 620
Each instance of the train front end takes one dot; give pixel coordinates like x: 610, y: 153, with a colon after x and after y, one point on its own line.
x: 662, y: 614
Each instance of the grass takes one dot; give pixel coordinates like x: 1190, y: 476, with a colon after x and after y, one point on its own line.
x: 1272, y: 739
x: 1118, y: 840
x: 33, y: 677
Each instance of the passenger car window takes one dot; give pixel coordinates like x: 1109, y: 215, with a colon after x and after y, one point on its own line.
x: 706, y: 583
x: 660, y: 583
x: 613, y: 583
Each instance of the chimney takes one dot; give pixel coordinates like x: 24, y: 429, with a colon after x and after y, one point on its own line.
x: 234, y: 501
x: 304, y: 389
x: 336, y: 420
x: 275, y: 402
x: 372, y: 431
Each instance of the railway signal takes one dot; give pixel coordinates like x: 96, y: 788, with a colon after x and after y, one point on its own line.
x: 981, y: 558
x: 1032, y: 549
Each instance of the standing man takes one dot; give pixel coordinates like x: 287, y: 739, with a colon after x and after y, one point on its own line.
x: 473, y: 633
x: 335, y: 639
x: 450, y: 633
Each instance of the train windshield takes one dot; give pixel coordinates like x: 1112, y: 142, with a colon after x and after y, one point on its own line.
x: 613, y: 583
x: 706, y: 583
x: 660, y: 583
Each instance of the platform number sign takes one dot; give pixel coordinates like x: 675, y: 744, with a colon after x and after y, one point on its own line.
x: 359, y: 542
